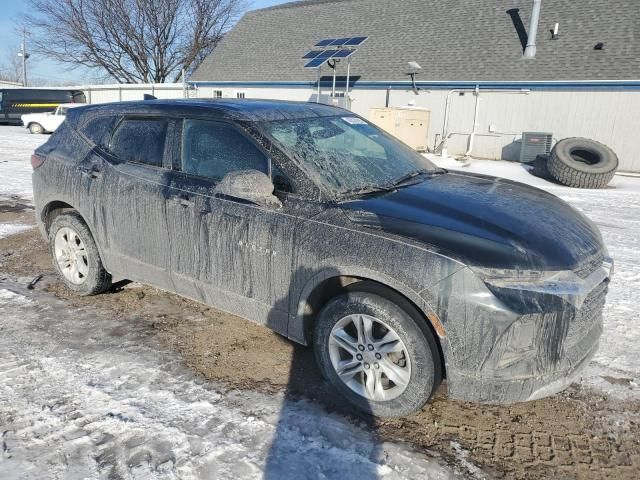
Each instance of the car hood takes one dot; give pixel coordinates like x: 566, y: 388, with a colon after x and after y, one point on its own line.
x: 484, y: 221
x: 33, y: 116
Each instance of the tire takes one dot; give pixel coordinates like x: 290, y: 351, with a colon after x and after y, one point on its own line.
x: 418, y: 362
x: 582, y: 163
x: 36, y: 128
x: 71, y: 242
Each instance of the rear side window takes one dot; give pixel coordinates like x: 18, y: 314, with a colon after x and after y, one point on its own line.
x: 140, y: 141
x: 212, y: 150
x: 98, y: 130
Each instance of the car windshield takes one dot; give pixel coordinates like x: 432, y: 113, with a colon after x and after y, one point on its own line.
x: 347, y: 154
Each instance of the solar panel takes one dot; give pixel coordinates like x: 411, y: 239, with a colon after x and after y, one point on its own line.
x: 336, y: 48
x: 316, y: 62
x: 312, y: 54
x: 344, y: 53
x: 355, y: 41
x: 324, y: 43
x: 326, y: 54
x: 339, y: 42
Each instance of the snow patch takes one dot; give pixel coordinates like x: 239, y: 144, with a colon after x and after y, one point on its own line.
x: 7, y: 229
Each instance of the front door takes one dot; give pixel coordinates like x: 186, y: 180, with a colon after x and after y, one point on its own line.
x: 226, y: 251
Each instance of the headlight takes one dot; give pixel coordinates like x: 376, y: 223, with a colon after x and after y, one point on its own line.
x: 510, y: 278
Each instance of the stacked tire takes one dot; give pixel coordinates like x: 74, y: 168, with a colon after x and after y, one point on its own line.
x: 582, y: 163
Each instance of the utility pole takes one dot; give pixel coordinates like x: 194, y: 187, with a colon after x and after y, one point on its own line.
x: 23, y: 53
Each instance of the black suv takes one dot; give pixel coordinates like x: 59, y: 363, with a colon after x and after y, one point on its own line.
x: 312, y: 221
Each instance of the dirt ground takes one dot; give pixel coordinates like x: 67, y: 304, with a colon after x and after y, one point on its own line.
x: 577, y: 434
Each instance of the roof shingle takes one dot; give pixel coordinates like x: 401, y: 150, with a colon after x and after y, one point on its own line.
x: 453, y: 40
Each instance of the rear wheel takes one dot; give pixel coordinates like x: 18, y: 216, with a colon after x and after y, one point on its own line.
x: 75, y: 255
x: 36, y: 128
x: 374, y: 351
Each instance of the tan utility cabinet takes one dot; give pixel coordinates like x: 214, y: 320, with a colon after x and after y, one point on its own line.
x: 409, y: 124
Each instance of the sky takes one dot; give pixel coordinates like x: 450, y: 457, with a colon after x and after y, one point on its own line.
x: 38, y: 66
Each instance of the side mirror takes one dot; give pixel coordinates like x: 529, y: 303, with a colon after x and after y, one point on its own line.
x: 251, y: 185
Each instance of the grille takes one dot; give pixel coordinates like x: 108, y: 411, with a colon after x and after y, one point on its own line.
x: 589, y: 314
x: 590, y: 266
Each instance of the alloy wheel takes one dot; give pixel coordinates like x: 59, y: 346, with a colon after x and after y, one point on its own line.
x: 71, y: 255
x: 369, y: 357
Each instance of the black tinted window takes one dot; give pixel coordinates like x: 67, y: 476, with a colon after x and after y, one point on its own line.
x: 212, y: 150
x: 140, y: 140
x: 98, y: 129
x: 53, y: 96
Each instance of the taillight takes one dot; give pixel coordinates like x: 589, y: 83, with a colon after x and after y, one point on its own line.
x: 37, y: 160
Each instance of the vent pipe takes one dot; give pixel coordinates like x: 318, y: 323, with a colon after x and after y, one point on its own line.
x: 530, y: 50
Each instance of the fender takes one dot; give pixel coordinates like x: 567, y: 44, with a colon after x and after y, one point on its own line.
x: 296, y: 328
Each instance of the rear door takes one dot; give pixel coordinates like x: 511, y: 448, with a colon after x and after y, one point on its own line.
x: 133, y: 174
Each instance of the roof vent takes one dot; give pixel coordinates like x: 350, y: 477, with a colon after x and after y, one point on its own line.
x: 599, y: 46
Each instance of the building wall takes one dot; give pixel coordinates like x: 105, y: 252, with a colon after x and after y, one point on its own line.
x: 608, y: 116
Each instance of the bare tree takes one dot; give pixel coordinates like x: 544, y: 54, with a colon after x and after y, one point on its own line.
x: 131, y: 40
x: 11, y: 65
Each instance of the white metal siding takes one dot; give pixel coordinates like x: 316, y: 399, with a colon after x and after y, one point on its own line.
x: 607, y: 116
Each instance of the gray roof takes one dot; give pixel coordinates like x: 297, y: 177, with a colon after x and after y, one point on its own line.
x: 453, y: 40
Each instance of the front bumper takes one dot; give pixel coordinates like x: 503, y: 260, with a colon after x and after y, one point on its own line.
x: 519, y: 344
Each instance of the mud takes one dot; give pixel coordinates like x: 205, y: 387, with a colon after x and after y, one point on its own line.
x: 580, y: 433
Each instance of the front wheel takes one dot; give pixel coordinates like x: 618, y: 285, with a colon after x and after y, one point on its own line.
x: 75, y: 255
x: 373, y: 350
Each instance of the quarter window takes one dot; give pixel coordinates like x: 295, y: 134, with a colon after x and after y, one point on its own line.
x: 140, y: 141
x: 98, y: 129
x: 212, y: 150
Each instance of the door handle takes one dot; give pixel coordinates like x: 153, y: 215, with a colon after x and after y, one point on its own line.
x: 183, y: 201
x: 89, y: 172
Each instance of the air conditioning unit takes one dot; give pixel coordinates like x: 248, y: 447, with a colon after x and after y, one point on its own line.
x: 534, y: 144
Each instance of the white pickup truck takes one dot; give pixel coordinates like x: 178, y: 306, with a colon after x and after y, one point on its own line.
x: 47, y: 122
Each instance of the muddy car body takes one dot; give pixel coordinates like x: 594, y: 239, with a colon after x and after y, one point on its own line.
x: 496, y: 285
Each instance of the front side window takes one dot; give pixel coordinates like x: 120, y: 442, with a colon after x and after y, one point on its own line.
x: 140, y: 140
x: 211, y: 149
x: 345, y: 153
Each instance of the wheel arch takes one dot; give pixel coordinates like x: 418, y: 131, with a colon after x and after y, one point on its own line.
x: 55, y: 208
x: 329, y: 283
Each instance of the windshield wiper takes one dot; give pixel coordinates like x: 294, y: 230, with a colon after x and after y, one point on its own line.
x: 407, y: 179
x: 364, y: 190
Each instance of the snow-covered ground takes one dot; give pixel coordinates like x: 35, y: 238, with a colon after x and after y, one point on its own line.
x: 16, y: 146
x: 85, y: 395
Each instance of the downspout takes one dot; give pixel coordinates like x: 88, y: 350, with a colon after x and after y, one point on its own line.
x: 475, y: 122
x: 530, y: 49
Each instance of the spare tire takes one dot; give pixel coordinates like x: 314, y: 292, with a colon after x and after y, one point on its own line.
x: 582, y: 163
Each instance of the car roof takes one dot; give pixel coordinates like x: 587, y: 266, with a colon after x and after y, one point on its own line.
x: 72, y: 105
x: 234, y: 109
